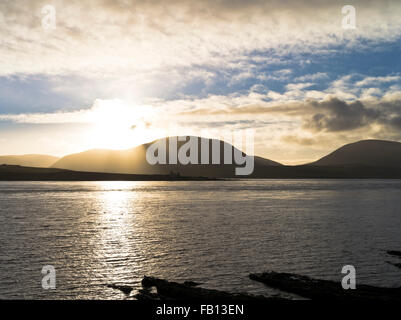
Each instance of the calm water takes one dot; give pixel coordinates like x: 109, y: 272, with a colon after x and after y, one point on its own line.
x: 216, y: 233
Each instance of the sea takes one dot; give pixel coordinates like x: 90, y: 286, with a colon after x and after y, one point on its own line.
x: 213, y: 232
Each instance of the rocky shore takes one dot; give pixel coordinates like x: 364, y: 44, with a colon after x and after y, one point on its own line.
x: 300, y: 285
x: 396, y: 254
x: 316, y: 289
x: 167, y: 290
x: 290, y: 283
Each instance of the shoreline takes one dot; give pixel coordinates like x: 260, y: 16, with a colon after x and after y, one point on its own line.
x: 20, y: 173
x: 304, y: 287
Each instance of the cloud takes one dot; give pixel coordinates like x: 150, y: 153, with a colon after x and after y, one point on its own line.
x: 298, y: 117
x: 312, y: 77
x: 102, y: 111
x: 337, y: 115
x: 395, y: 121
x: 299, y: 140
x: 121, y: 37
x: 328, y: 115
x: 377, y: 80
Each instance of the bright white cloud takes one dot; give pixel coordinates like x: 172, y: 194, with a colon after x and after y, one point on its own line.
x: 377, y: 80
x: 102, y: 111
x: 121, y: 37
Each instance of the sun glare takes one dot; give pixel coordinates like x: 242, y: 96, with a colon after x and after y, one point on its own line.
x: 118, y: 126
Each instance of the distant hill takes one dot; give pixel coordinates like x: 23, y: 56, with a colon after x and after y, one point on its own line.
x: 373, y: 153
x: 363, y: 160
x: 134, y: 161
x: 29, y: 160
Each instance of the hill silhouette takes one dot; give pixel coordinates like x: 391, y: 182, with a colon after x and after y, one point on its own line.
x: 375, y: 153
x: 29, y: 160
x: 133, y: 161
x: 365, y: 159
x: 362, y: 159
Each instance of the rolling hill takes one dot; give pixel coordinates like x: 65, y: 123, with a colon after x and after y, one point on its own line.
x: 362, y: 159
x: 29, y: 160
x: 133, y: 161
x: 373, y: 153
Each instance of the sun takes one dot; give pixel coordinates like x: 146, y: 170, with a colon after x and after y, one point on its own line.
x: 117, y: 125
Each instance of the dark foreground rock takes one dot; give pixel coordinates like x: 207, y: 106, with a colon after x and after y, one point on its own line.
x: 167, y: 290
x: 324, y: 289
x: 394, y: 253
x: 191, y: 283
x: 125, y: 289
x: 398, y: 265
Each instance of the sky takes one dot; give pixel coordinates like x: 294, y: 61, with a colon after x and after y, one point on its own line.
x: 78, y: 75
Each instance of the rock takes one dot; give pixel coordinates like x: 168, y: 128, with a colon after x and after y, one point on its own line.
x: 191, y: 283
x: 398, y: 265
x: 178, y: 291
x: 324, y: 289
x: 125, y: 289
x: 394, y: 253
x: 144, y: 294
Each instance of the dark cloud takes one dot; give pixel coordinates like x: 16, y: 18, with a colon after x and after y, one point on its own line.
x: 337, y: 115
x: 292, y: 108
x: 329, y: 115
x: 395, y: 122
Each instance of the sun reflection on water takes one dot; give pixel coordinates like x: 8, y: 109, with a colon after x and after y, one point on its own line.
x: 117, y: 242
